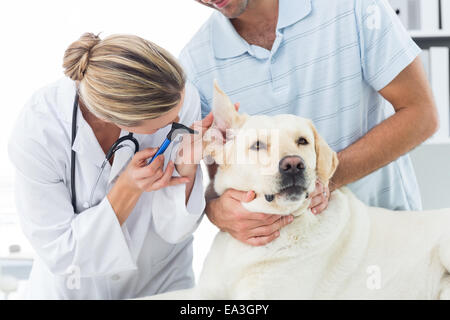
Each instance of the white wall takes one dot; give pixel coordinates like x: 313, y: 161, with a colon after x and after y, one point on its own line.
x: 432, y: 166
x: 35, y: 33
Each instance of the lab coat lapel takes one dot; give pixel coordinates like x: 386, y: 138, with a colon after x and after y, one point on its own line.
x: 86, y: 144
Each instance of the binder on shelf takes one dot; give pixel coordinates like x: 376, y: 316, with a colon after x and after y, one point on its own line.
x: 418, y: 15
x: 429, y: 15
x: 440, y: 83
x: 425, y: 57
x: 402, y: 10
x: 445, y: 14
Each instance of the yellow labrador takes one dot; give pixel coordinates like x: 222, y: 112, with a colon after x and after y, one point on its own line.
x: 350, y: 251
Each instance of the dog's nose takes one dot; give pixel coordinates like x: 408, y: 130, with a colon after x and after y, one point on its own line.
x: 291, y: 165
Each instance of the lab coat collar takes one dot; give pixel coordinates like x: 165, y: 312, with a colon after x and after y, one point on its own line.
x: 86, y: 143
x: 65, y: 99
x: 227, y: 43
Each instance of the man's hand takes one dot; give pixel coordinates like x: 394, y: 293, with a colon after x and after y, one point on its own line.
x: 256, y: 229
x: 319, y: 198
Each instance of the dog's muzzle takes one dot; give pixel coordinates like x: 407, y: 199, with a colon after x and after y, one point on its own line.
x: 292, y: 177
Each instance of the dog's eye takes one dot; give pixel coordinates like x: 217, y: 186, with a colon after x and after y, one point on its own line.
x: 302, y: 141
x: 258, y: 145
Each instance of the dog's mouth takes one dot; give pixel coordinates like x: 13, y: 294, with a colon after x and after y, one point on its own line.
x: 291, y: 193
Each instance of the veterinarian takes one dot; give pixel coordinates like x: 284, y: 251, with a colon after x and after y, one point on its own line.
x: 338, y: 63
x: 128, y: 232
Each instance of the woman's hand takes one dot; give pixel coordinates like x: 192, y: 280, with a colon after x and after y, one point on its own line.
x: 138, y: 177
x: 190, y: 151
x: 319, y: 198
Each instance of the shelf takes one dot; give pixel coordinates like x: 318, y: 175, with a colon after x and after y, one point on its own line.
x: 429, y: 34
x: 437, y: 141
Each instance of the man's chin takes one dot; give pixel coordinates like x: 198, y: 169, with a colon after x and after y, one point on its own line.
x: 233, y: 9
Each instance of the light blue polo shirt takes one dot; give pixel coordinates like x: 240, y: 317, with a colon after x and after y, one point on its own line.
x: 328, y: 62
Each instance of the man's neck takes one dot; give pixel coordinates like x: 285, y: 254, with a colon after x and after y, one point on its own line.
x: 257, y: 25
x: 257, y: 11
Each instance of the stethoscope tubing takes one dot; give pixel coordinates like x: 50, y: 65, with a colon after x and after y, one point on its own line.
x: 73, y: 155
x: 116, y: 146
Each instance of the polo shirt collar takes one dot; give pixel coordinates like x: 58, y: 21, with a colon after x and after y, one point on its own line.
x: 227, y: 43
x: 292, y: 11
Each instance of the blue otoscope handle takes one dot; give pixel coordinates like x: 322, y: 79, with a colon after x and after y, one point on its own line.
x: 161, y: 150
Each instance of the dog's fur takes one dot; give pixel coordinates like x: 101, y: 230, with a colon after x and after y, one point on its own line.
x: 350, y: 251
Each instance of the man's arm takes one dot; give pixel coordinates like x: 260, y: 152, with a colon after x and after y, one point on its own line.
x: 414, y: 121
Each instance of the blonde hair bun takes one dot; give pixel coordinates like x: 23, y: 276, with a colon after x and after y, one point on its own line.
x: 76, y: 57
x: 124, y: 79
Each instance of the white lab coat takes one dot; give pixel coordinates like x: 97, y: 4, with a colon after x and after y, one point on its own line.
x: 90, y: 256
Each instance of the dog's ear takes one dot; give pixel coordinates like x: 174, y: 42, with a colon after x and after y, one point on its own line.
x: 327, y: 160
x: 226, y: 119
x: 225, y: 114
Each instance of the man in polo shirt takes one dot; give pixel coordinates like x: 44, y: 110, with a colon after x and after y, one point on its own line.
x: 349, y: 65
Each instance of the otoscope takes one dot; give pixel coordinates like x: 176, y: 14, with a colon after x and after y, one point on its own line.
x: 177, y: 128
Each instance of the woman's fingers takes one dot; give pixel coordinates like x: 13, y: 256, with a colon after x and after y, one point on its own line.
x: 164, y: 180
x: 167, y: 179
x: 177, y: 181
x: 151, y: 170
x: 145, y: 154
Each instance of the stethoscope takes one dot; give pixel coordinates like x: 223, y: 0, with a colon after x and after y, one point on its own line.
x: 177, y: 128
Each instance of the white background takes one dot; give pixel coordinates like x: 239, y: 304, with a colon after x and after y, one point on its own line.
x: 34, y: 35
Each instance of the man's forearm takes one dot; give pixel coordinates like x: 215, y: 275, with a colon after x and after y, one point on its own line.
x: 389, y: 140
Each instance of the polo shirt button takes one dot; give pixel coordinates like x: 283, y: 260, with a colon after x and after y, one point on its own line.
x: 86, y: 205
x: 115, y: 277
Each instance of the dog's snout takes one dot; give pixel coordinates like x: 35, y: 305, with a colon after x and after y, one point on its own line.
x: 291, y: 165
